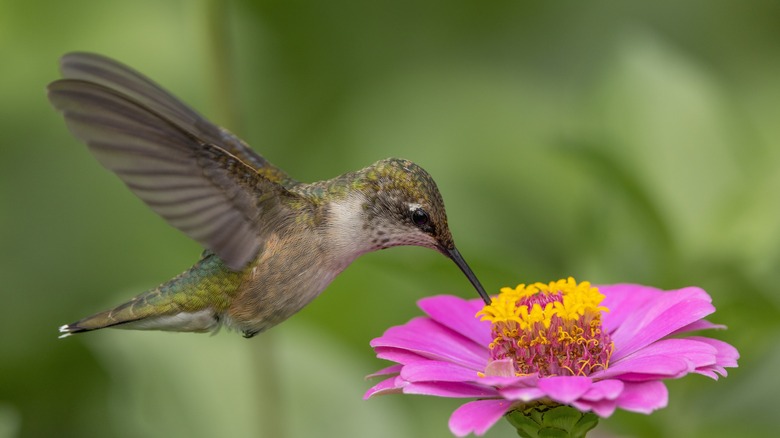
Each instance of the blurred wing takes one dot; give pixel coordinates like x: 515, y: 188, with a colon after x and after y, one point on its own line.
x: 138, y: 88
x: 197, y: 186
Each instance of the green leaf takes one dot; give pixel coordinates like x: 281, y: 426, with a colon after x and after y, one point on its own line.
x: 562, y: 417
x: 586, y: 424
x: 543, y: 421
x: 551, y: 432
x: 526, y: 427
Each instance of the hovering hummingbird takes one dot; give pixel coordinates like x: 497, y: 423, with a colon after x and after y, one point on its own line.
x: 272, y: 243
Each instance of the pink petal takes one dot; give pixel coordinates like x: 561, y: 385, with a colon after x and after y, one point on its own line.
x: 643, y: 397
x: 666, y: 314
x: 509, y: 382
x: 647, y: 368
x: 500, y: 368
x: 450, y: 389
x: 478, y: 416
x: 458, y: 314
x: 393, y: 369
x: 604, y: 390
x: 523, y: 394
x: 622, y: 300
x: 601, y: 397
x: 398, y: 355
x: 711, y: 371
x: 564, y: 389
x: 428, y: 338
x: 725, y: 356
x: 392, y: 385
x: 667, y: 357
x: 603, y: 408
x: 436, y: 371
x: 701, y: 324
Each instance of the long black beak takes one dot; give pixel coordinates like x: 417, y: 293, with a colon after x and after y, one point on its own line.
x: 458, y: 259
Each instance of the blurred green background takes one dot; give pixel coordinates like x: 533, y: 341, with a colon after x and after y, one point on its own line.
x: 612, y: 141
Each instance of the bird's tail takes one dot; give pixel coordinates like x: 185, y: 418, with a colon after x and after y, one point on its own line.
x: 151, y: 310
x: 191, y: 302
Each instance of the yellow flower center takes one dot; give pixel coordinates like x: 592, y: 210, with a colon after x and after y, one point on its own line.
x: 549, y: 329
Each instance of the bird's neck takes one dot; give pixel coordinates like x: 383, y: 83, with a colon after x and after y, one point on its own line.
x: 345, y: 233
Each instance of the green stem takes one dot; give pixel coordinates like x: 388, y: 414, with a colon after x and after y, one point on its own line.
x: 266, y: 367
x: 223, y: 95
x: 268, y: 386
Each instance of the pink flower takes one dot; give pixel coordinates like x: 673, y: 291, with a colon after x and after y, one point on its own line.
x: 596, y: 349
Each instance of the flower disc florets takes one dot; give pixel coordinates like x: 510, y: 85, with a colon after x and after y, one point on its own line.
x: 549, y: 329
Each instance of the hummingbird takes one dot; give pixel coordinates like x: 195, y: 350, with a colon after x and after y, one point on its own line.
x: 272, y: 244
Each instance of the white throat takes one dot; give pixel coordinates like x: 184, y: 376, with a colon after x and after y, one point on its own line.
x: 346, y: 236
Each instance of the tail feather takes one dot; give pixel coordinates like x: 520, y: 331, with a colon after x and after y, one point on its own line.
x: 120, y: 315
x: 190, y: 302
x: 70, y: 329
x: 75, y: 328
x: 200, y: 321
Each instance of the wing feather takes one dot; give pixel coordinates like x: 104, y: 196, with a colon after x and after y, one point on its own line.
x: 196, y: 185
x: 111, y: 74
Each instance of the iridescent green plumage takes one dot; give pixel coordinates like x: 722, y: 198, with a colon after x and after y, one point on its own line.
x: 208, y: 284
x: 273, y: 244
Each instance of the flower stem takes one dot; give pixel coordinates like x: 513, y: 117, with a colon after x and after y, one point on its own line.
x: 223, y: 97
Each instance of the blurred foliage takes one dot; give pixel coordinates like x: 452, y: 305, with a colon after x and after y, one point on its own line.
x: 612, y: 141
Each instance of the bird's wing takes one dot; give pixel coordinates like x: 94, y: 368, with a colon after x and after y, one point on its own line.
x: 111, y: 74
x: 152, y: 142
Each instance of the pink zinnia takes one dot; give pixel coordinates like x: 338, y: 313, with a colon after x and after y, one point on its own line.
x: 596, y: 349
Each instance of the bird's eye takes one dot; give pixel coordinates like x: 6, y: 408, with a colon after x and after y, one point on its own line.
x: 420, y: 218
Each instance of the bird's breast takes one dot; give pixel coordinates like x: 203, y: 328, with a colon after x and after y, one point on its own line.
x: 290, y: 271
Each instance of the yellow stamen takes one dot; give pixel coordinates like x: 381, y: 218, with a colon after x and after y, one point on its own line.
x: 549, y: 328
